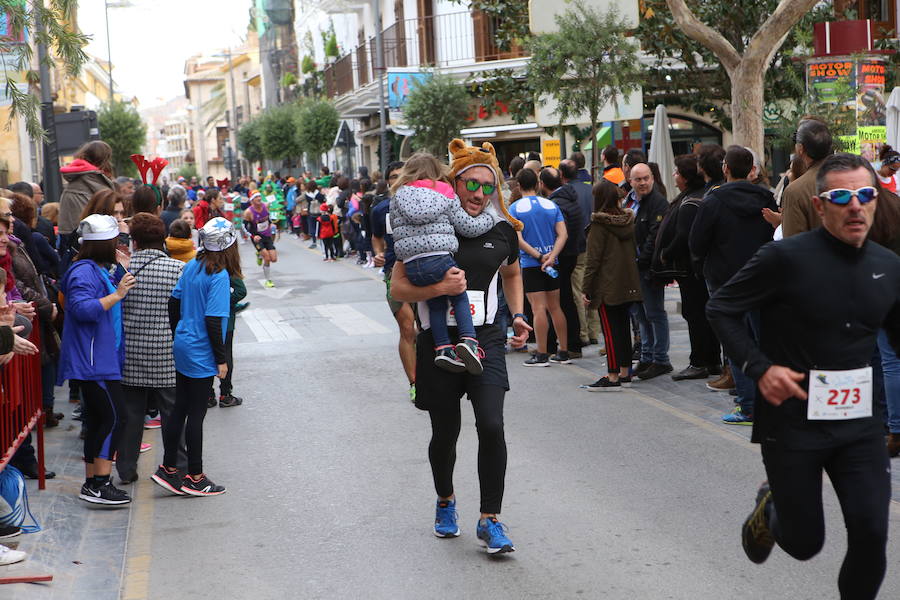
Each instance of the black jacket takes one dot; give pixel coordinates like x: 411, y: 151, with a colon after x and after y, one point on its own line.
x: 567, y: 199
x: 821, y: 304
x: 671, y: 256
x: 729, y: 229
x: 651, y: 211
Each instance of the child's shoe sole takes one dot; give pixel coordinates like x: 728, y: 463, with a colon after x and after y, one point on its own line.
x: 471, y: 360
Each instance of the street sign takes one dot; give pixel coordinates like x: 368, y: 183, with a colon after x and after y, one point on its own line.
x: 550, y: 149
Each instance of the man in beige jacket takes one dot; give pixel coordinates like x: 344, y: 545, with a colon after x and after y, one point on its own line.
x: 813, y: 144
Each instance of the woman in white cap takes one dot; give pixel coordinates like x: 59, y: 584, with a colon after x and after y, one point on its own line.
x: 198, y: 314
x: 93, y: 350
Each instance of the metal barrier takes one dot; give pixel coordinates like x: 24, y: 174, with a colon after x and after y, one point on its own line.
x: 21, y: 404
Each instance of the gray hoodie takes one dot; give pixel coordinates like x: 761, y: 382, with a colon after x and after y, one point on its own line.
x: 425, y: 220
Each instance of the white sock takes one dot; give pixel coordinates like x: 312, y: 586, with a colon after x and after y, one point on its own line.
x: 266, y: 272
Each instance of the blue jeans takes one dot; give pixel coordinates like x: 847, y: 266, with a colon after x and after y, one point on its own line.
x: 653, y: 321
x: 890, y: 365
x: 430, y: 270
x: 746, y: 387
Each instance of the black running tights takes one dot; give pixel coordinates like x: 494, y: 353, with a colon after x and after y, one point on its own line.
x: 102, y: 416
x: 860, y: 474
x: 487, y: 402
x: 190, y: 405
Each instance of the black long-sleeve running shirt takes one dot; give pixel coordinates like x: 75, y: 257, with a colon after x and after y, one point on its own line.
x: 822, y: 303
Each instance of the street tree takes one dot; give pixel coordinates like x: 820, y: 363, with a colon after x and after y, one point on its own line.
x: 746, y: 68
x: 436, y: 111
x: 317, y: 124
x: 122, y: 128
x: 249, y: 140
x: 66, y: 44
x: 277, y: 136
x: 588, y: 63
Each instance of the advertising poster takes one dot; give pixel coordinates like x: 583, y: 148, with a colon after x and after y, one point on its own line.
x: 399, y: 87
x: 831, y: 81
x: 871, y: 139
x: 551, y: 151
x: 870, y: 102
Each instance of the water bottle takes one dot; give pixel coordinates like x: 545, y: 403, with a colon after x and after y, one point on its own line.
x: 551, y: 272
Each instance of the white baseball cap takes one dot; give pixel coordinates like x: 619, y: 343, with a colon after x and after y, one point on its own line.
x: 98, y: 227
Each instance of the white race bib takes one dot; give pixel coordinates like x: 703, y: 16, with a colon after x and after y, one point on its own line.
x: 271, y: 199
x: 476, y: 309
x: 840, y: 395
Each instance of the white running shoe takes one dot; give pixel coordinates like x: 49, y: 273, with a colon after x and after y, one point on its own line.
x: 9, y: 556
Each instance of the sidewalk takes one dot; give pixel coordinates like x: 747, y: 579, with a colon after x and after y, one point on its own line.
x: 81, y: 545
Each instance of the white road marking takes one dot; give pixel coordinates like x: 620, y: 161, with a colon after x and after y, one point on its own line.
x: 268, y: 326
x: 350, y: 320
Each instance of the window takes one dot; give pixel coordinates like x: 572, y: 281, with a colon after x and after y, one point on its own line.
x: 883, y: 14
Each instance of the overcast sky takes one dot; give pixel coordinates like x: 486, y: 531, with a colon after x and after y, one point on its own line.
x: 152, y: 39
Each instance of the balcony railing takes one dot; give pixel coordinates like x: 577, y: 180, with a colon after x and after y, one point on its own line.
x: 454, y: 39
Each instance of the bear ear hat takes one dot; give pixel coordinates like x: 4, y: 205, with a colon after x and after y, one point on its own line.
x: 457, y: 147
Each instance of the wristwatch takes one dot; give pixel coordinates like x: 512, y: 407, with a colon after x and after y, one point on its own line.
x: 520, y: 316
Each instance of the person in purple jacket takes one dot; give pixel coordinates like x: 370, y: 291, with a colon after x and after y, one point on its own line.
x: 93, y: 350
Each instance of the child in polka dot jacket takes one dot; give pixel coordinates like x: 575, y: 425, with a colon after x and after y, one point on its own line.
x: 425, y: 217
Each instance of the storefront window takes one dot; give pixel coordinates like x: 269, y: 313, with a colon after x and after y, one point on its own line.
x: 686, y: 133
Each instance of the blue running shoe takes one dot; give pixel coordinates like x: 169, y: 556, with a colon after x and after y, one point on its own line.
x: 445, y: 519
x: 492, y: 534
x: 737, y: 418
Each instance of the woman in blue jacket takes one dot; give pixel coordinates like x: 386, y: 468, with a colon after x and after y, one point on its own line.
x: 198, y: 314
x: 93, y: 350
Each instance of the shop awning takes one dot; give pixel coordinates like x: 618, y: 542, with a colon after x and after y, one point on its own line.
x: 604, y: 138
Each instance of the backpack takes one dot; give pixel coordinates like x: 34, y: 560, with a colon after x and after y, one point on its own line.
x: 14, y: 501
x: 326, y: 228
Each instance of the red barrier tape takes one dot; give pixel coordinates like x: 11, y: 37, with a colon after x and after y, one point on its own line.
x: 21, y: 404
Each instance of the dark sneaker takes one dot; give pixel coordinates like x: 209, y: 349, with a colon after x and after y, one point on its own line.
x: 445, y: 519
x: 445, y: 358
x: 575, y: 354
x: 492, y: 534
x: 104, y: 494
x: 593, y: 342
x: 468, y: 351
x: 211, y: 402
x: 691, y: 372
x: 603, y: 385
x: 639, y: 368
x: 562, y: 358
x: 654, y: 370
x: 204, y: 487
x: 240, y: 306
x: 538, y: 360
x: 625, y: 381
x: 893, y: 444
x: 168, y: 480
x: 228, y: 400
x: 9, y: 531
x: 756, y: 538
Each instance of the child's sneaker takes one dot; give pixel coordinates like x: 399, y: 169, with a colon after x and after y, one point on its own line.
x: 445, y: 358
x: 470, y: 354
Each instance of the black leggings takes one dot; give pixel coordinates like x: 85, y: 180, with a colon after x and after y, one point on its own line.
x: 614, y: 321
x: 190, y: 404
x: 328, y: 247
x: 446, y: 421
x: 860, y: 474
x: 102, y: 412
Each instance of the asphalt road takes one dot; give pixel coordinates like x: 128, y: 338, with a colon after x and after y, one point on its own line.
x: 633, y: 495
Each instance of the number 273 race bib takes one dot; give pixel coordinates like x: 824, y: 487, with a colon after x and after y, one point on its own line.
x: 840, y: 395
